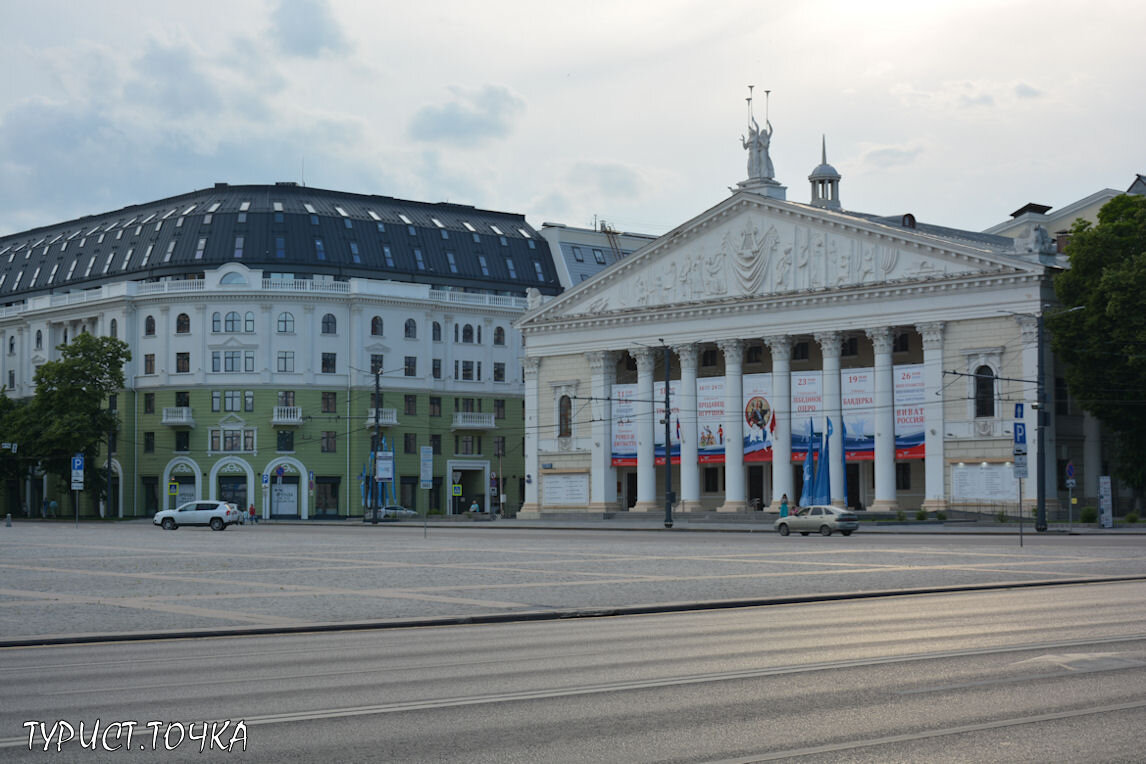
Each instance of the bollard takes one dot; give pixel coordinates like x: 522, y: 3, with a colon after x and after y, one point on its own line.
x: 8, y: 520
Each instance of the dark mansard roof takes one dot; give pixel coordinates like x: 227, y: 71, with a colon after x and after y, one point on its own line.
x: 281, y: 228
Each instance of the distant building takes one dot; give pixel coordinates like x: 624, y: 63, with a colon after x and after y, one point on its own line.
x: 259, y: 318
x: 580, y: 253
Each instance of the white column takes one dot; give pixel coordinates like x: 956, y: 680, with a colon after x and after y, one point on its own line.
x: 781, y: 348
x: 602, y: 474
x: 935, y: 468
x: 733, y: 426
x: 689, y: 466
x: 885, y: 497
x: 531, y: 506
x: 833, y: 410
x: 644, y: 411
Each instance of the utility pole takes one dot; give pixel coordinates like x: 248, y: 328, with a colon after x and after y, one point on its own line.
x: 1040, y: 418
x: 374, y: 486
x: 668, y: 444
x: 110, y: 438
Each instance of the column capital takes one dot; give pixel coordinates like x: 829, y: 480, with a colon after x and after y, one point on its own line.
x: 829, y: 342
x: 599, y: 360
x: 880, y: 337
x: 732, y: 348
x: 646, y: 359
x: 689, y: 355
x: 532, y: 367
x: 932, y: 332
x: 1029, y: 326
x: 780, y: 346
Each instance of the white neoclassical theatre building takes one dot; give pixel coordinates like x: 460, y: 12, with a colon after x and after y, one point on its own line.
x: 892, y: 350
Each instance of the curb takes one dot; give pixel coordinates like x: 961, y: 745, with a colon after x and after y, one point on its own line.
x: 545, y: 615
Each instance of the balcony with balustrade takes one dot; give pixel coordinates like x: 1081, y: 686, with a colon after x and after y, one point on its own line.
x: 178, y: 416
x: 473, y: 420
x: 286, y: 416
x: 386, y: 417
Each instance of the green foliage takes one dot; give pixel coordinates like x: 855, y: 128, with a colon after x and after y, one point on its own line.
x: 1002, y: 516
x: 1088, y: 515
x: 900, y: 515
x: 1131, y: 517
x: 921, y: 515
x: 69, y: 414
x: 1100, y: 333
x: 941, y: 516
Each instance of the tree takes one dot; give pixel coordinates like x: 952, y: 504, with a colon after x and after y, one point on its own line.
x: 68, y: 414
x: 1100, y: 334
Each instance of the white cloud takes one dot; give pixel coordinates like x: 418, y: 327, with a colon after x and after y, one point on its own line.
x: 472, y: 118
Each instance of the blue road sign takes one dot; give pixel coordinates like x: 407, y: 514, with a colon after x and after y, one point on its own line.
x: 1070, y: 469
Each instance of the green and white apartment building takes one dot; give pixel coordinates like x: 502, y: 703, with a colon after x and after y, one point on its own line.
x: 261, y: 320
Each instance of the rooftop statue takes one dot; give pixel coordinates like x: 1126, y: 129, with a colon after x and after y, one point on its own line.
x: 759, y: 163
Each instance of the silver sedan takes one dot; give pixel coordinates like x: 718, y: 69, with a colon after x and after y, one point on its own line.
x: 818, y: 518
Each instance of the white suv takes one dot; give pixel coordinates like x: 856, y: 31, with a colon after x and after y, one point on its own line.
x: 216, y: 514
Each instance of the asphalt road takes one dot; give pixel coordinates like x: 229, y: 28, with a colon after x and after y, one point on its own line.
x: 57, y: 581
x: 1044, y: 674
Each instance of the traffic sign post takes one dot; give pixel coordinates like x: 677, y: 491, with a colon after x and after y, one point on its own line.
x: 1020, y: 454
x: 77, y: 483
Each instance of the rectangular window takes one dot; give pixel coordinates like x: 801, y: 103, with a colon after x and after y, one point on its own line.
x: 182, y: 441
x: 200, y: 247
x: 498, y: 445
x: 232, y: 360
x: 499, y: 408
x: 389, y: 257
x: 452, y: 261
x: 354, y: 255
x: 248, y: 360
x: 468, y: 370
x: 435, y: 406
x: 216, y: 400
x: 436, y: 444
x: 903, y: 476
x: 711, y: 479
x: 329, y: 441
x: 249, y: 400
x: 149, y: 443
x: 232, y: 400
x: 578, y: 255
x: 182, y: 398
x: 411, y: 405
x: 149, y: 403
x: 239, y: 247
x: 511, y: 268
x: 284, y: 440
x: 437, y: 368
x: 800, y: 351
x: 330, y: 403
x: 411, y: 366
x: 849, y: 347
x: 280, y: 247
x: 418, y: 260
x: 599, y: 257
x: 328, y: 362
x: 498, y: 372
x: 319, y: 249
x: 375, y: 363
x: 285, y: 361
x: 538, y: 270
x: 466, y: 446
x: 410, y: 443
x: 286, y: 397
x: 149, y: 363
x: 484, y: 265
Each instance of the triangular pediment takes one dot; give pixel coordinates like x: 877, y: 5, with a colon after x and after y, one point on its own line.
x: 753, y: 247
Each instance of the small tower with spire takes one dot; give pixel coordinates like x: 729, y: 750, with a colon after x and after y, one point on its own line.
x: 825, y: 181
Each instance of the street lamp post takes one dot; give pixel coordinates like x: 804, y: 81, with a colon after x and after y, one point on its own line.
x: 668, y: 445
x: 1040, y: 434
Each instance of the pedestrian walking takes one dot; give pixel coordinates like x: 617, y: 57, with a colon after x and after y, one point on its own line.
x: 784, y: 505
x: 254, y: 517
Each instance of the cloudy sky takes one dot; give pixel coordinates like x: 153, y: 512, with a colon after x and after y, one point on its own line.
x: 631, y: 111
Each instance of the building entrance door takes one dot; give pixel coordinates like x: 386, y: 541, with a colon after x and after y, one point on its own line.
x: 284, y: 497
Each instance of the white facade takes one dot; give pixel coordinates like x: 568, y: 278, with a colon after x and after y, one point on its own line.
x: 762, y: 286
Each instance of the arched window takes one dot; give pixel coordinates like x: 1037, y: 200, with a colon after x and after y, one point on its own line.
x: 498, y: 336
x: 984, y: 392
x: 149, y: 327
x: 329, y: 324
x: 376, y: 326
x: 39, y: 340
x: 249, y: 322
x: 216, y: 322
x: 565, y: 417
x: 285, y: 323
x: 411, y: 329
x: 113, y: 329
x: 182, y: 323
x: 467, y: 334
x: 232, y: 322
x: 437, y: 332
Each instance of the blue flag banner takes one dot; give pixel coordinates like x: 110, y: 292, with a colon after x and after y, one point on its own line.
x: 806, y: 491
